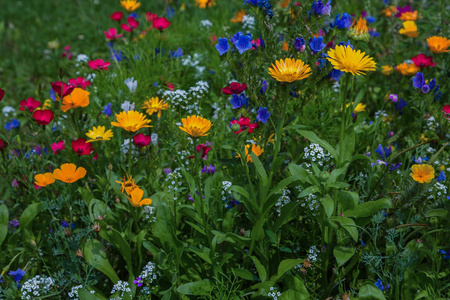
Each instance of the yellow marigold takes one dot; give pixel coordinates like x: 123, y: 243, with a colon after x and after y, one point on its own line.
x: 409, y: 16
x: 422, y: 173
x: 256, y: 149
x: 127, y: 184
x: 69, y: 173
x: 238, y: 16
x: 205, y: 3
x: 359, y: 107
x: 130, y: 5
x: 154, y: 105
x: 99, y: 133
x: 136, y: 198
x: 438, y: 44
x: 345, y: 59
x: 44, y: 179
x: 78, y: 98
x: 387, y: 70
x: 389, y: 11
x: 195, y: 126
x: 289, y: 70
x: 131, y: 121
x: 359, y: 30
x: 409, y: 29
x: 407, y: 69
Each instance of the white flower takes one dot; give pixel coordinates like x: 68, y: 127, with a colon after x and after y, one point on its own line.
x: 127, y: 106
x: 7, y: 110
x: 206, y: 23
x: 82, y: 58
x: 154, y: 138
x: 131, y: 84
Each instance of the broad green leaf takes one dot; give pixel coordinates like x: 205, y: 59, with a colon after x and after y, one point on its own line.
x: 202, y: 253
x: 347, y: 200
x: 284, y: 266
x: 349, y: 145
x: 439, y: 213
x: 95, y: 256
x: 302, y: 174
x: 164, y: 229
x: 287, y: 213
x: 259, y: 169
x: 335, y: 175
x: 197, y: 288
x: 312, y: 137
x: 370, y: 292
x: 260, y: 268
x: 343, y: 254
x: 258, y: 230
x: 310, y: 190
x: 243, y: 273
x: 293, y: 295
x: 328, y: 205
x: 86, y: 295
x: 29, y: 214
x: 4, y: 219
x: 349, y: 225
x: 367, y: 209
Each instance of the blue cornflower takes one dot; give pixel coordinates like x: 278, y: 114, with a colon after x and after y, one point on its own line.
x: 239, y: 101
x: 379, y: 284
x: 18, y: 274
x: 15, y: 123
x: 134, y: 15
x: 387, y: 151
x: 52, y: 94
x: 178, y: 53
x: 319, y: 8
x: 371, y: 19
x: 441, y: 176
x: 316, y: 44
x: 418, y: 81
x: 8, y: 126
x: 242, y: 42
x: 395, y: 167
x: 262, y: 115
x: 64, y: 224
x: 263, y: 87
x: 299, y: 44
x: 344, y: 22
x: 107, y: 110
x: 335, y: 74
x: 346, y: 44
x: 222, y: 46
x: 374, y: 33
x: 400, y: 104
x: 170, y: 12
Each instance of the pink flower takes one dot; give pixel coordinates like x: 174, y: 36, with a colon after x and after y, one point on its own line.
x: 111, y: 34
x: 57, y: 147
x: 160, y: 23
x: 117, y: 16
x: 80, y: 82
x: 67, y: 52
x: 132, y: 24
x: 150, y: 16
x: 30, y: 104
x: 205, y: 149
x: 142, y: 140
x: 61, y: 88
x: 446, y: 111
x: 99, y: 64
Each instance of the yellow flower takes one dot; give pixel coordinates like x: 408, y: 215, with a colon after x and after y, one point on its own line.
x: 136, y: 198
x: 99, y: 134
x: 238, y: 16
x: 289, y: 70
x: 359, y: 107
x: 195, y: 126
x: 389, y: 11
x: 422, y: 173
x: 409, y: 29
x: 131, y: 120
x: 285, y: 3
x: 438, y: 44
x: 69, y: 173
x: 359, y: 30
x: 387, y: 70
x: 78, y: 98
x: 256, y: 149
x: 205, y: 3
x: 407, y: 69
x: 345, y: 59
x: 409, y: 16
x: 154, y: 105
x: 128, y: 184
x: 130, y: 5
x: 44, y: 179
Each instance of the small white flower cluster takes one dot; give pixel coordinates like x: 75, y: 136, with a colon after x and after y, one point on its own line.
x: 36, y: 287
x: 310, y: 202
x: 127, y: 105
x: 125, y: 147
x: 336, y: 87
x: 226, y: 192
x: 73, y: 294
x: 381, y: 113
x: 312, y: 254
x: 149, y: 273
x: 273, y: 293
x: 187, y: 100
x: 194, y: 62
x: 439, y: 189
x: 174, y: 179
x: 316, y: 153
x: 248, y: 22
x: 431, y: 150
x: 148, y: 213
x: 218, y: 111
x: 121, y: 286
x: 91, y: 77
x: 206, y: 23
x: 8, y: 110
x: 431, y: 123
x: 283, y: 200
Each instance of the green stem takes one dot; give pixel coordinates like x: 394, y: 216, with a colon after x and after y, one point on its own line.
x: 343, y: 117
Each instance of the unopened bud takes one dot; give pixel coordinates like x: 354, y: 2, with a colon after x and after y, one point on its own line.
x: 33, y: 243
x: 235, y: 127
x: 110, y: 167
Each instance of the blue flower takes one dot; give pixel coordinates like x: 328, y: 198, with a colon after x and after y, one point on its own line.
x: 374, y: 33
x: 242, y: 42
x: 379, y: 284
x: 419, y: 160
x: 222, y: 46
x: 319, y: 8
x: 18, y: 274
x: 371, y: 19
x: 432, y: 84
x: 437, y: 93
x: 8, y: 126
x: 107, y: 110
x: 387, y: 151
x: 335, y: 74
x: 52, y: 94
x: 344, y: 22
x: 117, y: 55
x: 170, y: 12
x: 418, y: 81
x: 64, y: 224
x: 15, y: 123
x: 262, y: 115
x: 395, y: 167
x: 134, y: 15
x: 299, y: 43
x: 400, y: 104
x: 264, y: 4
x: 346, y: 44
x: 445, y: 253
x: 209, y: 169
x: 316, y: 44
x: 441, y: 176
x: 178, y: 53
x: 263, y: 87
x: 239, y: 101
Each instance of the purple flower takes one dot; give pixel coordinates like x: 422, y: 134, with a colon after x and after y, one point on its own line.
x: 138, y: 281
x: 393, y: 97
x: 178, y: 53
x: 316, y: 44
x: 319, y: 8
x: 400, y: 104
x: 262, y: 115
x: 344, y: 22
x: 335, y: 74
x: 418, y: 81
x: 222, y: 46
x: 263, y: 87
x: 64, y: 224
x: 242, y: 42
x: 425, y: 88
x: 167, y: 171
x: 395, y: 167
x: 14, y: 223
x: 209, y: 169
x: 239, y: 101
x: 387, y: 151
x: 18, y: 274
x: 299, y: 44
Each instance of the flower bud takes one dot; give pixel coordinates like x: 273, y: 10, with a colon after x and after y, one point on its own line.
x: 235, y: 127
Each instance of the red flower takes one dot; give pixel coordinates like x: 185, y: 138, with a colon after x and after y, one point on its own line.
x: 205, y: 149
x: 150, y: 16
x: 132, y: 24
x: 30, y: 103
x: 2, y: 93
x: 160, y: 23
x: 57, y: 147
x: 117, y: 16
x: 446, y: 111
x: 80, y: 82
x: 141, y: 140
x: 81, y: 147
x: 61, y: 88
x: 111, y: 34
x: 99, y: 64
x: 2, y: 145
x: 213, y: 39
x: 423, y: 61
x: 244, y: 123
x: 234, y: 88
x: 43, y: 117
x: 67, y: 52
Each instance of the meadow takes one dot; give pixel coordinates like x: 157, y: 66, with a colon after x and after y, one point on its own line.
x: 211, y: 149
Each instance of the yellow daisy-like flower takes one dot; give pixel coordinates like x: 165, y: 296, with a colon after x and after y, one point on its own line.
x: 359, y: 30
x: 409, y: 16
x: 136, y: 198
x: 256, y: 149
x: 127, y: 184
x: 238, y: 16
x: 422, y: 173
x: 154, y: 105
x: 131, y: 121
x: 205, y: 3
x: 345, y: 59
x: 409, y: 29
x: 69, y: 173
x: 195, y: 126
x: 438, y: 44
x: 99, y: 134
x: 130, y: 5
x: 387, y: 70
x: 289, y: 70
x: 359, y: 107
x: 407, y: 69
x: 44, y: 179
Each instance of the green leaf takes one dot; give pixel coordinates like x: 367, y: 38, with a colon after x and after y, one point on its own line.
x: 196, y: 288
x: 293, y: 295
x: 96, y: 257
x: 260, y: 268
x: 335, y: 174
x: 349, y: 225
x: 349, y: 145
x: 283, y: 183
x: 4, y: 218
x: 439, y: 213
x: 202, y: 253
x: 302, y: 174
x: 287, y: 213
x: 86, y: 295
x: 310, y: 190
x: 348, y: 200
x: 343, y: 254
x: 367, y: 209
x: 312, y: 137
x: 284, y: 266
x: 165, y: 228
x: 29, y: 214
x: 243, y: 273
x: 328, y: 205
x: 370, y: 292
x: 259, y: 168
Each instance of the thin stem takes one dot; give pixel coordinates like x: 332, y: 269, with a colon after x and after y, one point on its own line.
x: 343, y: 117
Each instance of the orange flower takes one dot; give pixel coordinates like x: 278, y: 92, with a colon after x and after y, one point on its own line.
x: 285, y: 3
x: 285, y: 46
x: 128, y: 185
x: 387, y: 70
x: 389, y: 11
x: 256, y: 149
x: 422, y: 173
x: 69, y: 173
x: 409, y: 29
x: 407, y: 69
x: 238, y: 16
x: 44, y: 179
x: 136, y: 198
x: 438, y: 44
x: 78, y: 98
x: 409, y: 16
